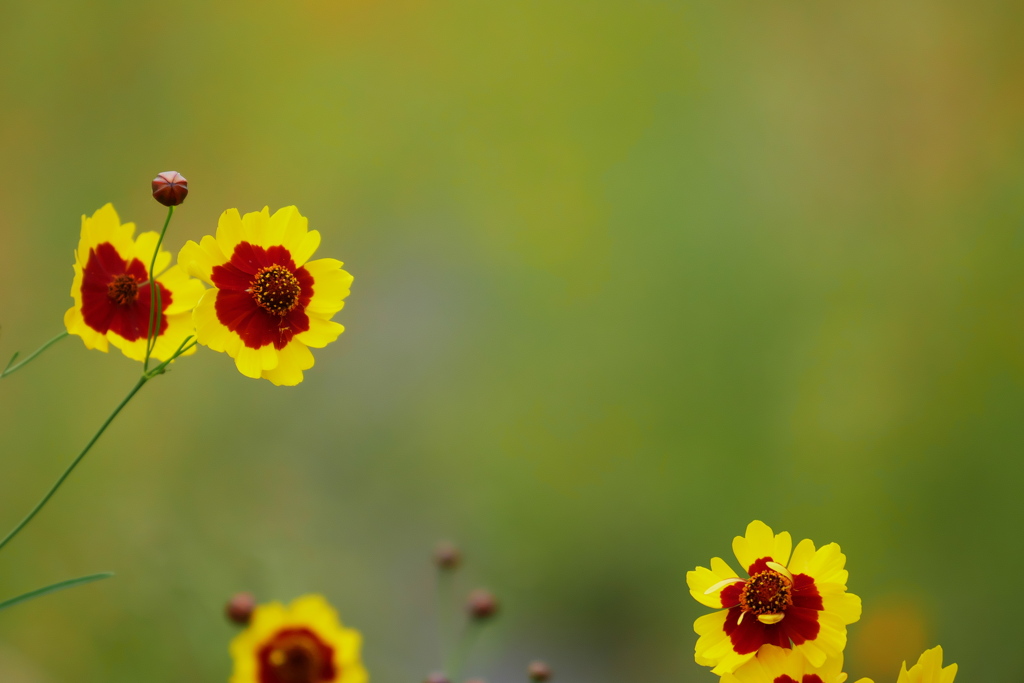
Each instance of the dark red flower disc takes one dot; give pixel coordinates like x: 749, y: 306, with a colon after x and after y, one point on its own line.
x: 799, y: 625
x: 296, y: 655
x: 238, y: 305
x: 116, y: 296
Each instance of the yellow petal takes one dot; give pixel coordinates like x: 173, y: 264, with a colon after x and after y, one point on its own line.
x: 759, y: 542
x: 803, y: 554
x: 143, y: 249
x: 305, y: 248
x: 292, y: 360
x: 248, y: 362
x: 256, y: 227
x: 845, y: 606
x: 185, y: 291
x: 75, y: 324
x: 701, y: 579
x: 330, y: 286
x: 199, y: 260
x: 287, y: 227
x: 320, y: 333
x: 229, y: 232
x: 209, y: 330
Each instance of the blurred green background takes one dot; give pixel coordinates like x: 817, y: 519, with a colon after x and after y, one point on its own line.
x: 628, y: 274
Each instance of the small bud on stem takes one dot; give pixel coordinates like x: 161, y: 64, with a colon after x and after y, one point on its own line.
x: 539, y: 671
x: 437, y: 678
x: 447, y: 556
x: 481, y: 605
x: 239, y: 608
x: 170, y: 188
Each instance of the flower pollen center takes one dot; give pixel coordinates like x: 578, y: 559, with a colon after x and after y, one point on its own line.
x: 275, y: 289
x: 297, y: 657
x: 767, y: 592
x: 123, y: 290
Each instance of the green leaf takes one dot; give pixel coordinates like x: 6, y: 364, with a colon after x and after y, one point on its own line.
x: 40, y: 592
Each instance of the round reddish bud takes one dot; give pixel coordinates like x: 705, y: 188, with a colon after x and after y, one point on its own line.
x: 239, y: 608
x: 481, y: 604
x: 539, y: 671
x: 437, y: 677
x: 170, y: 188
x: 447, y: 556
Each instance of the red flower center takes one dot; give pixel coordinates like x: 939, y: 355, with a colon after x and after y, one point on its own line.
x: 296, y: 655
x: 767, y: 592
x: 115, y: 294
x: 263, y: 295
x: 275, y: 289
x: 123, y: 290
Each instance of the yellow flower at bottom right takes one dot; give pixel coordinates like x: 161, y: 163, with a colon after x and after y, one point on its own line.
x: 928, y: 669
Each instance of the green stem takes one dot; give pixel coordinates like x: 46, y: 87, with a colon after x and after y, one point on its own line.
x: 155, y: 315
x: 12, y: 368
x: 461, y: 655
x: 74, y: 463
x: 185, y: 345
x: 40, y: 592
x: 445, y: 586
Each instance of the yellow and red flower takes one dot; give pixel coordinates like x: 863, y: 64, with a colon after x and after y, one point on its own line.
x: 301, y: 643
x: 112, y: 295
x: 779, y: 665
x: 792, y: 599
x: 270, y: 303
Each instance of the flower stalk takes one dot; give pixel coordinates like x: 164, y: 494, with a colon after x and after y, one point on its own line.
x: 11, y: 367
x: 155, y: 302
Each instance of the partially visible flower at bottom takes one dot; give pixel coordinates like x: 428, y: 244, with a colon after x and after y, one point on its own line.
x: 778, y: 665
x: 927, y: 670
x: 781, y: 665
x: 111, y: 290
x: 301, y: 643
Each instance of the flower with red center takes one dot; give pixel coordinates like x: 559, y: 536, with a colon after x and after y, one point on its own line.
x: 301, y: 643
x: 112, y: 295
x: 269, y: 303
x: 796, y: 602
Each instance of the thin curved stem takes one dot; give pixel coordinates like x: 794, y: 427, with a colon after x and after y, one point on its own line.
x: 74, y: 463
x: 185, y: 345
x: 155, y: 315
x: 53, y: 588
x: 12, y: 368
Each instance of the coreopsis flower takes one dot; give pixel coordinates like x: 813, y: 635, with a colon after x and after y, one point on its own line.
x: 790, y: 600
x: 112, y: 295
x: 780, y: 665
x: 927, y: 670
x: 269, y: 303
x: 301, y: 643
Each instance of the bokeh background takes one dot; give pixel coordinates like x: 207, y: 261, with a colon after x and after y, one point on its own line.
x: 628, y: 274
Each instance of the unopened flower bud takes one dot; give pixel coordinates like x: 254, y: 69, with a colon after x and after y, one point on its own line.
x: 481, y: 604
x: 437, y: 677
x: 476, y: 680
x: 239, y: 608
x: 447, y: 556
x: 539, y: 671
x: 170, y: 188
